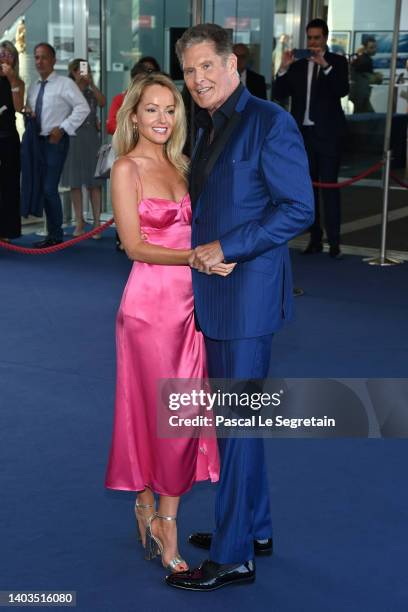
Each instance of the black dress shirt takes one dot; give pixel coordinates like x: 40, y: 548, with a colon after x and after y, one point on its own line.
x: 212, y: 126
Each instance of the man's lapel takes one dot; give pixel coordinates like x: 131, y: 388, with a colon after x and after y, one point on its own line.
x: 301, y: 80
x: 313, y: 85
x: 221, y: 142
x: 222, y: 139
x: 200, y: 135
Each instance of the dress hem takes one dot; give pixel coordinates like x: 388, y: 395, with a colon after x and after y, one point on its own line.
x: 155, y: 490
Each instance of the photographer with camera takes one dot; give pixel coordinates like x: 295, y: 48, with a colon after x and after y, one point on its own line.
x: 316, y: 80
x: 79, y: 166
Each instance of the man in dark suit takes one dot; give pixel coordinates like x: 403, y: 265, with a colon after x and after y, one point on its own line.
x: 363, y: 76
x: 253, y: 81
x: 251, y: 192
x: 316, y: 86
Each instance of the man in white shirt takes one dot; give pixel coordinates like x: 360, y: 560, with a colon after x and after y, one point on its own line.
x: 316, y: 86
x: 59, y: 108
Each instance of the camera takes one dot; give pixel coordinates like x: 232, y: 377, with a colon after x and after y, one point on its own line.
x: 83, y: 68
x: 301, y: 53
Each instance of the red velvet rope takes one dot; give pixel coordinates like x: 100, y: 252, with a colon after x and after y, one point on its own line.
x: 104, y: 226
x: 57, y: 247
x: 352, y: 180
x: 398, y: 180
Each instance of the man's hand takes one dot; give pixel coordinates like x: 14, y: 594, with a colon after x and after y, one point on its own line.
x: 318, y: 57
x: 223, y: 269
x: 287, y: 60
x: 206, y: 256
x: 55, y: 135
x: 376, y: 78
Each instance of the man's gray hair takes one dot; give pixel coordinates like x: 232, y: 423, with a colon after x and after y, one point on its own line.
x: 205, y: 32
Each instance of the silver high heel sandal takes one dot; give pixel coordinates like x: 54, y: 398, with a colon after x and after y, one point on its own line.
x: 139, y: 515
x: 154, y: 547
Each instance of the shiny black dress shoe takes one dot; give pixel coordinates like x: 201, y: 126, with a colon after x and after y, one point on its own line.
x: 335, y: 253
x: 203, y: 540
x: 211, y: 576
x: 44, y: 244
x: 313, y: 248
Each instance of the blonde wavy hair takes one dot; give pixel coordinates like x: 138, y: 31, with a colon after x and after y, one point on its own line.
x: 125, y: 137
x: 7, y: 45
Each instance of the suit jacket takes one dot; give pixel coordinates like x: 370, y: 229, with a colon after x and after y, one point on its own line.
x: 255, y: 84
x: 257, y: 195
x: 325, y: 106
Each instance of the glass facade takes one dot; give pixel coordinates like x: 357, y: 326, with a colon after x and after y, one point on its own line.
x: 363, y: 32
x: 135, y: 29
x: 114, y: 34
x: 251, y: 22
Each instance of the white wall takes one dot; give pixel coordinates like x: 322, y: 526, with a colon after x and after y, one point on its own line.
x: 341, y: 14
x: 365, y: 15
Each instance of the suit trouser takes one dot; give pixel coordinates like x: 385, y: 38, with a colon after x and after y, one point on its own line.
x: 363, y: 105
x: 53, y: 157
x: 324, y: 167
x: 242, y: 511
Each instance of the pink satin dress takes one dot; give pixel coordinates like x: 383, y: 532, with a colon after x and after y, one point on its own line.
x: 156, y: 338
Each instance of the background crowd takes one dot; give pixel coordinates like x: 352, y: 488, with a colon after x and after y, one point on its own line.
x: 63, y: 131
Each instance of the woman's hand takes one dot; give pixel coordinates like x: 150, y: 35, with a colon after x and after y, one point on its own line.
x: 223, y: 269
x: 27, y: 111
x: 8, y: 72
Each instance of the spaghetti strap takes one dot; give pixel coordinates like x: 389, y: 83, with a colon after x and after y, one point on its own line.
x: 140, y: 184
x: 139, y: 180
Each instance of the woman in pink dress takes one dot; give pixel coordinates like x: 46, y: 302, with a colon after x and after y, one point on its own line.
x: 155, y: 335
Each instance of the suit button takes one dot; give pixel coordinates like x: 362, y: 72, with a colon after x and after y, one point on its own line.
x: 196, y: 221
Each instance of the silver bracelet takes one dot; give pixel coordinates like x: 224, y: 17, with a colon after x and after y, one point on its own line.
x: 15, y: 89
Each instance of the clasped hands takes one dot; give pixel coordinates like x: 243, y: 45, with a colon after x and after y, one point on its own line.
x: 209, y: 258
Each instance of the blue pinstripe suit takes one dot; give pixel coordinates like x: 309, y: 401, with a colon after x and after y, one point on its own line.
x: 256, y: 197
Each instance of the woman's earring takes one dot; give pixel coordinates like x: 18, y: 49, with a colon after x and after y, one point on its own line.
x: 135, y: 129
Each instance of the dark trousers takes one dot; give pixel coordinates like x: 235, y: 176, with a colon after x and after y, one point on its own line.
x: 324, y: 167
x: 242, y: 511
x: 53, y: 157
x: 10, y: 220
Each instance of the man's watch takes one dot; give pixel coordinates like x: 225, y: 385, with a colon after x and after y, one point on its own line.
x: 61, y: 129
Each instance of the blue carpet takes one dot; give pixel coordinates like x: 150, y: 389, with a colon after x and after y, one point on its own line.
x: 340, y: 507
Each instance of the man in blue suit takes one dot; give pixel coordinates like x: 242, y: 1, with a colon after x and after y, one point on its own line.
x: 251, y: 193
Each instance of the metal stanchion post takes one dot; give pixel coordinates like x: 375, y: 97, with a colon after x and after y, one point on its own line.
x: 383, y: 260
